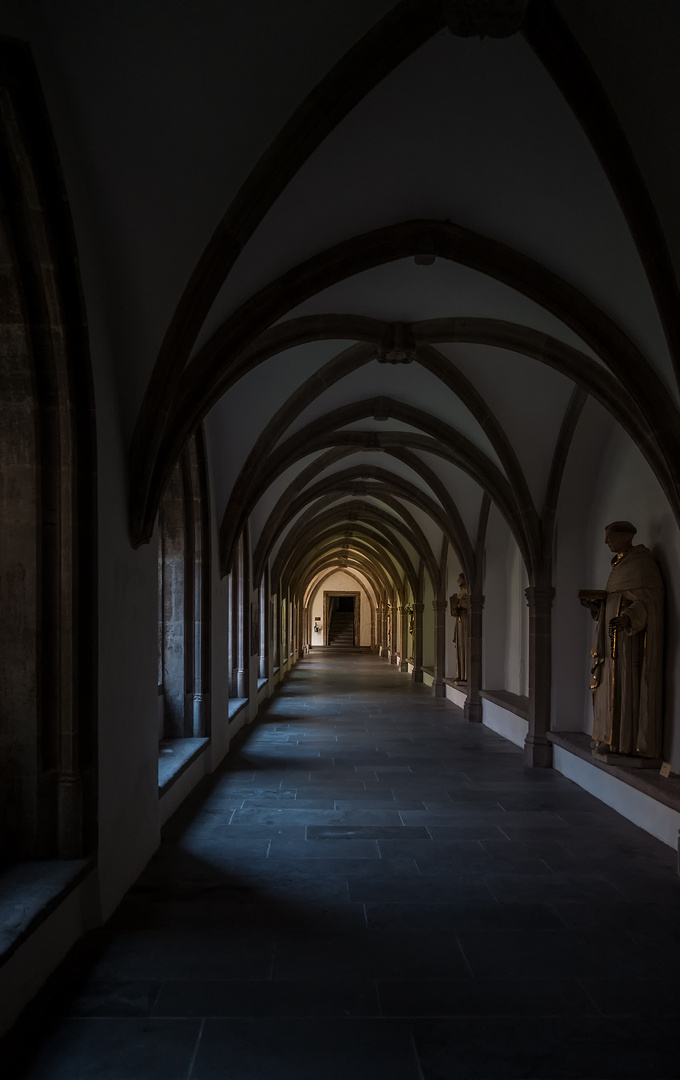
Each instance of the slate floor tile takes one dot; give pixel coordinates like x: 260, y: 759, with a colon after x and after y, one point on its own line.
x: 635, y: 997
x: 367, y: 832
x: 423, y: 889
x: 107, y: 997
x: 395, y: 804
x: 305, y: 1050
x: 373, y: 954
x: 484, y: 997
x: 307, y: 916
x: 114, y: 1049
x: 557, y: 1048
x: 553, y: 888
x: 252, y: 998
x: 186, y: 952
x: 631, y: 917
x: 274, y: 816
x: 453, y: 917
x: 539, y: 954
x: 471, y: 830
x: 320, y: 848
x: 482, y: 864
x: 360, y: 837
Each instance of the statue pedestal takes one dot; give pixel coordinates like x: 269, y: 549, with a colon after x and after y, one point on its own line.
x: 629, y: 761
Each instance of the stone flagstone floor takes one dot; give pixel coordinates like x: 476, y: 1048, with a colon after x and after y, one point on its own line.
x: 370, y: 887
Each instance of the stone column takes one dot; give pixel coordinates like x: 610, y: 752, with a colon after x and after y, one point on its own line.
x: 198, y: 719
x: 439, y: 686
x: 473, y: 703
x: 418, y: 643
x: 382, y: 622
x: 404, y: 639
x: 242, y: 646
x: 264, y: 627
x: 393, y: 628
x: 537, y: 749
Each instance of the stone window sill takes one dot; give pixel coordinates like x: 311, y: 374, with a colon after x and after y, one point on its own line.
x: 235, y: 706
x: 649, y: 781
x: 174, y: 757
x: 261, y: 683
x: 30, y: 892
x: 514, y: 703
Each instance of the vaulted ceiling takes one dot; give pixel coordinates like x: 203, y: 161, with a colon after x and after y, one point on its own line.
x: 396, y: 272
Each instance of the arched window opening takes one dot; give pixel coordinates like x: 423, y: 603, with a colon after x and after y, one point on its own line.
x: 275, y: 634
x: 232, y: 616
x: 263, y: 636
x: 48, y: 633
x: 239, y: 643
x: 184, y: 603
x: 284, y: 631
x: 174, y: 616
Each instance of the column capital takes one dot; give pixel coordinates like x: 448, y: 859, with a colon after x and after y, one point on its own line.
x: 419, y: 608
x: 439, y: 605
x: 540, y: 595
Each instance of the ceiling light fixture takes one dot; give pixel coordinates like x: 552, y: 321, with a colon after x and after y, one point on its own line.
x: 484, y: 18
x: 397, y: 345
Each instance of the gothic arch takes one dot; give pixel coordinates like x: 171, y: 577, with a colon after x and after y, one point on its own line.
x: 48, y: 554
x: 396, y: 36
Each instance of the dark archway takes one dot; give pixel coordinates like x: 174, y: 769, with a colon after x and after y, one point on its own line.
x: 48, y: 550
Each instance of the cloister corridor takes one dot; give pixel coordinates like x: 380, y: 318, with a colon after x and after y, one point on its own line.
x: 368, y: 886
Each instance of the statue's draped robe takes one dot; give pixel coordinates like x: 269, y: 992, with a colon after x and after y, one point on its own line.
x: 460, y: 605
x: 627, y: 687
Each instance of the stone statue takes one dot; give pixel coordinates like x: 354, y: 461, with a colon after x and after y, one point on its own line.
x: 460, y: 610
x: 627, y: 653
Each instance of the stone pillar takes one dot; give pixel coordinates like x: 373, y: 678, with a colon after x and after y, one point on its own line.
x: 418, y: 643
x: 382, y: 623
x: 242, y: 646
x: 393, y: 632
x: 537, y: 749
x: 439, y: 686
x: 198, y: 710
x: 473, y: 703
x: 265, y: 672
x: 404, y: 639
x: 70, y: 815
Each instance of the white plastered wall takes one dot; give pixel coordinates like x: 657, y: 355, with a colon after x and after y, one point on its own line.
x: 516, y: 624
x: 506, y: 616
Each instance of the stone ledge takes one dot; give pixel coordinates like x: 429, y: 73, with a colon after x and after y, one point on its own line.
x: 174, y: 757
x: 462, y: 686
x: 261, y: 683
x: 30, y: 892
x: 657, y: 787
x: 234, y: 707
x: 514, y: 703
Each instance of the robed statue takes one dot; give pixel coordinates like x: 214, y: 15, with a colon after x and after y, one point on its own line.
x: 460, y: 610
x: 627, y: 651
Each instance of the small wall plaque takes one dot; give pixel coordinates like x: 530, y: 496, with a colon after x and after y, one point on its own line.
x: 665, y: 769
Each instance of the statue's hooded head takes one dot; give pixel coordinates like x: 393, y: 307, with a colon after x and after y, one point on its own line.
x: 619, y: 536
